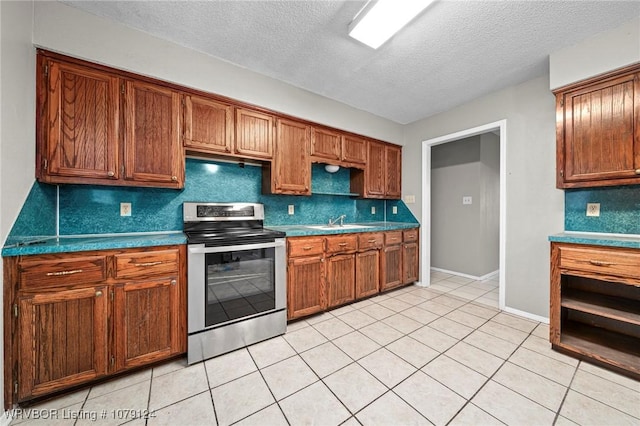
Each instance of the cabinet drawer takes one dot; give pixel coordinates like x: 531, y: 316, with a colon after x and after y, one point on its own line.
x: 624, y: 263
x: 410, y: 235
x: 370, y: 240
x: 305, y: 246
x: 391, y: 238
x: 52, y: 272
x: 139, y: 264
x: 342, y: 243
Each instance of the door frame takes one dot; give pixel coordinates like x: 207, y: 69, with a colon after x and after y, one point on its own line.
x: 425, y: 235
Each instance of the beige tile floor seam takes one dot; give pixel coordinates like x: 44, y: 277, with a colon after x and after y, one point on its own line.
x: 347, y: 336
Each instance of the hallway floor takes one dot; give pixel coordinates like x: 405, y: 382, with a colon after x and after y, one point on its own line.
x: 443, y: 355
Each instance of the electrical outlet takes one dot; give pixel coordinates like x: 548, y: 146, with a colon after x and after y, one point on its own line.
x: 292, y: 209
x: 409, y: 199
x: 373, y: 209
x: 125, y: 209
x: 593, y: 209
x: 394, y: 209
x: 467, y: 199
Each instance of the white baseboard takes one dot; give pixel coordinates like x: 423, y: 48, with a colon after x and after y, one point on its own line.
x: 473, y: 277
x: 527, y: 315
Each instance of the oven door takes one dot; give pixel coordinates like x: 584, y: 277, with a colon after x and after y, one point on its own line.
x: 228, y: 284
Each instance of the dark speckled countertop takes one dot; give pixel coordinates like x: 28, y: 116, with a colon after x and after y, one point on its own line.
x: 631, y: 241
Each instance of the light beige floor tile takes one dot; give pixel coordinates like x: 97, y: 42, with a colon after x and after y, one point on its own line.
x: 169, y: 367
x: 436, y: 308
x: 516, y: 322
x: 543, y: 346
x: 236, y: 400
x: 325, y: 359
x: 120, y: 383
x: 504, y: 332
x: 317, y: 318
x: 535, y: 387
x: 117, y: 404
x: 510, y: 407
x: 542, y: 331
x: 304, y: 339
x: 178, y: 385
x: 272, y: 350
x: 63, y: 416
x: 411, y: 298
x: 412, y: 351
x: 442, y: 288
x: 440, y: 274
x: 377, y: 311
x: 389, y: 409
x: 612, y: 394
x: 457, y: 377
x: 342, y: 310
x: 296, y: 325
x: 488, y: 302
x: 288, y: 376
x: 271, y: 416
x: 197, y: 410
x: 609, y: 375
x: 548, y: 367
x: 588, y: 412
x: 448, y: 285
x: 493, y: 345
x: 459, y: 279
x: 381, y: 333
x: 333, y: 328
x: 484, y: 285
x: 563, y: 421
x: 421, y: 315
x: 479, y: 311
x: 314, y: 405
x: 356, y: 345
x: 357, y: 319
x: 474, y: 358
x: 62, y: 401
x: 351, y: 422
x: 461, y: 294
x: 433, y: 400
x: 361, y: 304
x: 452, y: 328
x: 473, y: 291
x: 471, y: 415
x: 451, y: 301
x: 355, y: 387
x: 387, y: 367
x: 402, y: 323
x: 228, y: 367
x: 465, y: 319
x: 433, y: 338
x: 395, y: 304
x: 426, y: 292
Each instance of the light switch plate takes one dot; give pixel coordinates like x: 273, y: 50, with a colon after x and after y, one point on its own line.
x: 593, y: 209
x: 125, y: 209
x: 467, y: 199
x: 292, y: 209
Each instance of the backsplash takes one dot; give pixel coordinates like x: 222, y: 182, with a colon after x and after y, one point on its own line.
x: 619, y: 210
x: 87, y: 209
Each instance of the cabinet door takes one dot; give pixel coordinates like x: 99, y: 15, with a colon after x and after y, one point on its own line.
x: 152, y: 149
x: 354, y: 150
x: 326, y: 144
x: 208, y: 125
x: 291, y: 160
x: 82, y: 122
x: 375, y: 171
x: 599, y: 126
x: 393, y: 156
x: 305, y: 286
x: 146, y: 322
x: 367, y: 273
x: 341, y: 279
x: 391, y: 267
x: 62, y: 340
x: 410, y: 262
x: 254, y: 134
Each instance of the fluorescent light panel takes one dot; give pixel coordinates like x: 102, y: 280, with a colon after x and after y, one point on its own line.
x: 379, y: 20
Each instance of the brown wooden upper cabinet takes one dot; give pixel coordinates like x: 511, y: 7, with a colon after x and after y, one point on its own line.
x: 254, y: 134
x: 291, y: 166
x: 598, y: 131
x: 208, y: 125
x: 334, y: 147
x: 381, y: 177
x: 393, y: 162
x: 96, y: 127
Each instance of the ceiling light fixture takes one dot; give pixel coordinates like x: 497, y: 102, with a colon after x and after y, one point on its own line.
x: 379, y: 20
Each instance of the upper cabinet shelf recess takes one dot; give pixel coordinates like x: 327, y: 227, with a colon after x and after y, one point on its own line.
x: 598, y: 130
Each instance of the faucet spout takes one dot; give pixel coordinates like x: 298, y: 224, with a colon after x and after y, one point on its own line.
x: 340, y: 218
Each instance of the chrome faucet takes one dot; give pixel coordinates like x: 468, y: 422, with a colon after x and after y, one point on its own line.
x: 340, y: 218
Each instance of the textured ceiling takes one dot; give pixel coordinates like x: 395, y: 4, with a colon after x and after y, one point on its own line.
x: 453, y: 52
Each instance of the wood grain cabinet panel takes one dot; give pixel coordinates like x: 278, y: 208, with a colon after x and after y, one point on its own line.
x: 367, y: 273
x: 375, y: 171
x: 61, y: 270
x: 62, y: 340
x: 146, y: 263
x: 598, y: 131
x: 391, y: 267
x: 306, y: 293
x: 354, y: 150
x: 341, y: 243
x: 370, y: 240
x: 393, y: 160
x: 208, y: 125
x: 326, y: 144
x: 254, y: 134
x: 340, y: 279
x: 410, y: 263
x: 291, y: 164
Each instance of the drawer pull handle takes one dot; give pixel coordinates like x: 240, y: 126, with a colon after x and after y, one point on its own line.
x: 147, y: 263
x: 307, y: 248
x: 600, y: 263
x: 342, y: 244
x: 372, y: 241
x: 71, y: 272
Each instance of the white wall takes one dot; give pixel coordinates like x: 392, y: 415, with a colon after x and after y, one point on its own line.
x: 70, y: 31
x: 535, y: 208
x: 17, y: 116
x: 596, y: 55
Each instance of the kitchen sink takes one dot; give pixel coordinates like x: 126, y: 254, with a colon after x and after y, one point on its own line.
x: 337, y: 227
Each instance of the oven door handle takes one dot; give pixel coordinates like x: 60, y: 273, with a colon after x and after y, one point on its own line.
x: 200, y: 248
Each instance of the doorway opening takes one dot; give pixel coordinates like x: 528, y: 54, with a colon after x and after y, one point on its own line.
x: 498, y: 128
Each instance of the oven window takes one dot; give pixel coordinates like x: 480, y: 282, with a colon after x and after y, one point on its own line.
x: 239, y: 284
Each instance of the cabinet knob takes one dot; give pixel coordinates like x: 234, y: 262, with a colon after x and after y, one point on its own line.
x: 173, y: 282
x: 111, y: 173
x: 637, y: 171
x: 174, y: 178
x: 98, y: 293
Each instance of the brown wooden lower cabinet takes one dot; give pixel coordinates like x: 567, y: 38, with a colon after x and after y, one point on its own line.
x: 391, y: 267
x: 341, y: 279
x: 58, y: 334
x: 410, y: 263
x: 367, y: 273
x: 305, y: 286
